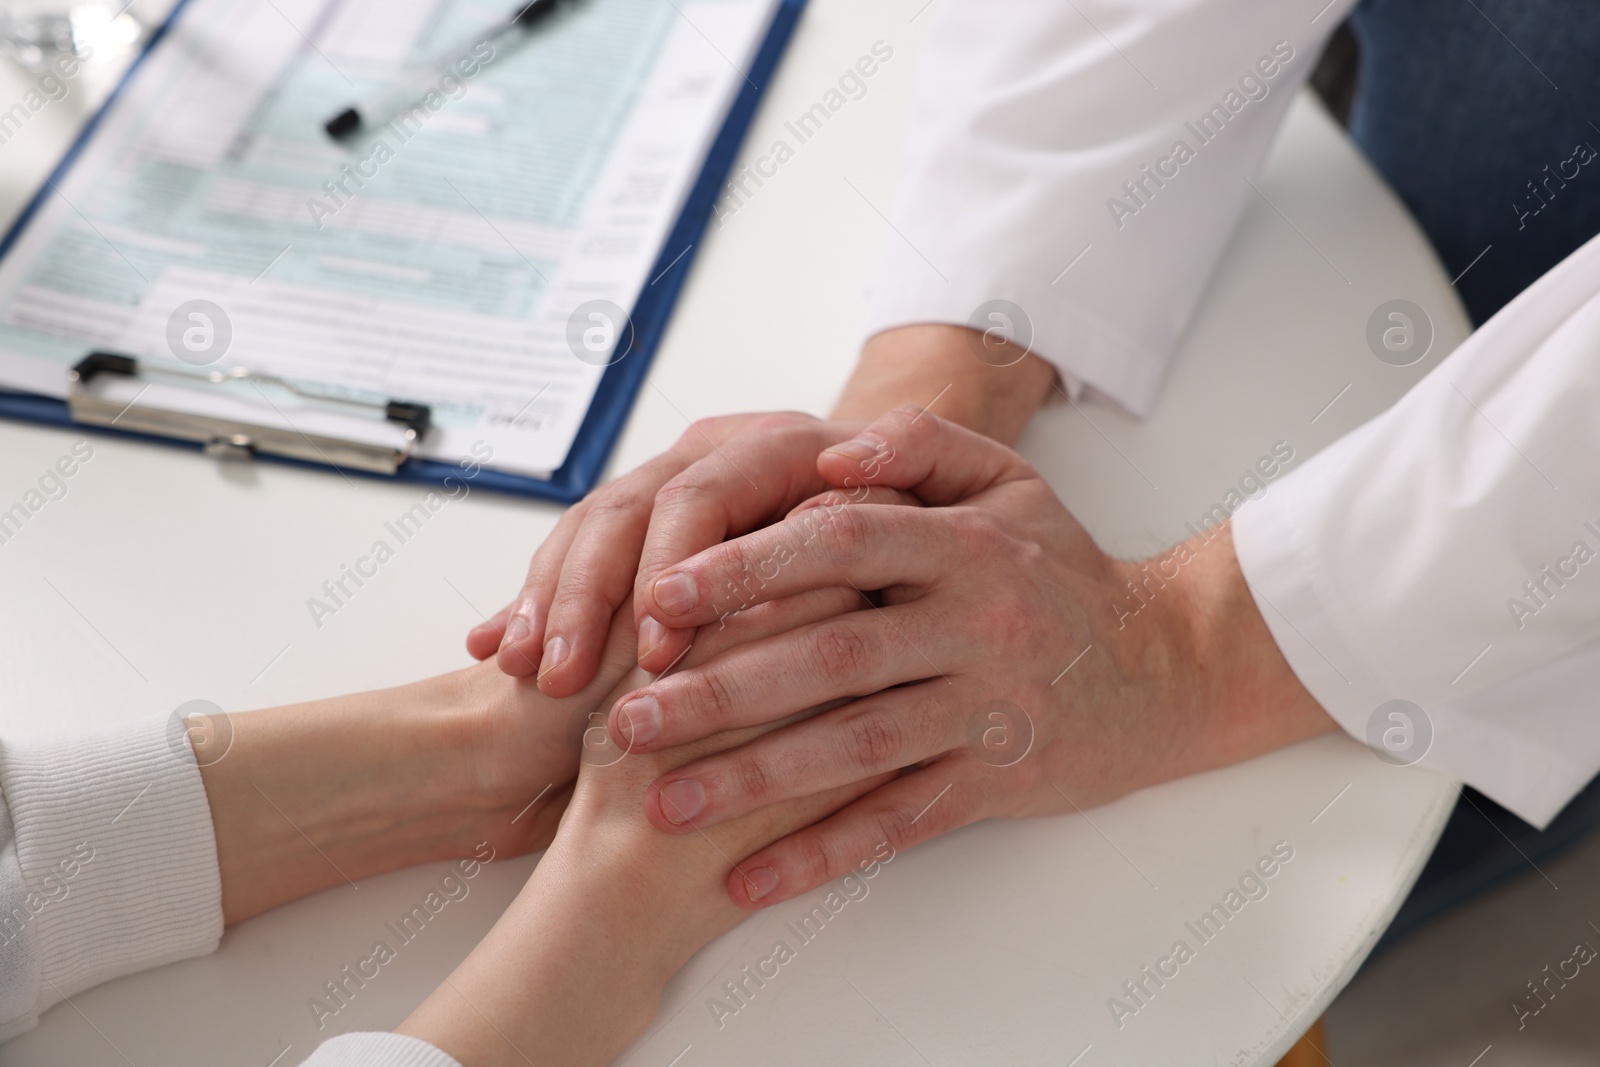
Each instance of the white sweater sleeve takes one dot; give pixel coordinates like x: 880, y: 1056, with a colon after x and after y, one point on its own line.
x: 1044, y: 131
x: 1447, y: 553
x: 108, y: 865
x: 378, y: 1050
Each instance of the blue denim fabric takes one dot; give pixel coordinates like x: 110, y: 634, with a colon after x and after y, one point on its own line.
x: 1475, y: 111
x: 1484, y: 115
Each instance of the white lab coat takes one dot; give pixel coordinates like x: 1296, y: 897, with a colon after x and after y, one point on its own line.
x: 1408, y: 560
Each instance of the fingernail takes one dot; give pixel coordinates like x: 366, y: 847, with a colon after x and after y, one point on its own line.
x: 516, y: 630
x: 555, y: 654
x: 677, y: 593
x: 651, y: 634
x: 640, y: 720
x: 682, y: 800
x: 858, y: 449
x: 760, y: 881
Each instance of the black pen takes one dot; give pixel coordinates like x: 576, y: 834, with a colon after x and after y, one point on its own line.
x: 424, y: 76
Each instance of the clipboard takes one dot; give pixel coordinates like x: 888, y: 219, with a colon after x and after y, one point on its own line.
x: 618, y: 387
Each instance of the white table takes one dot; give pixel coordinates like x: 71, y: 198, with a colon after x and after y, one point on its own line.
x: 163, y: 577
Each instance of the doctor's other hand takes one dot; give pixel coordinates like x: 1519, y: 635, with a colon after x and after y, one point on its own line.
x: 725, y: 476
x: 1011, y: 669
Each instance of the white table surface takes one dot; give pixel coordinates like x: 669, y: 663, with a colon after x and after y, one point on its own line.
x: 163, y: 577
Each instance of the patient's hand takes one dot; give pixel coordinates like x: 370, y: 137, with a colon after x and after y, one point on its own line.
x: 521, y: 747
x: 331, y: 791
x: 573, y: 972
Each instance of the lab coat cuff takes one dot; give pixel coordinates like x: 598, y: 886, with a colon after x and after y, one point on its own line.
x: 1089, y: 352
x: 118, y: 856
x: 1319, y: 634
x: 378, y: 1050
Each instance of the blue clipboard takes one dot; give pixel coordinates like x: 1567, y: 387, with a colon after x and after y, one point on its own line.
x: 619, y: 385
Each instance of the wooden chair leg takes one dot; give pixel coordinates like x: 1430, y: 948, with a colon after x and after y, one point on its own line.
x: 1309, y: 1051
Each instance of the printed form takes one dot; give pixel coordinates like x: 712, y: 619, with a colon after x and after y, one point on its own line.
x: 449, y: 255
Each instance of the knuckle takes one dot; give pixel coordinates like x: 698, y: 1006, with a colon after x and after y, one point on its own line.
x: 898, y: 825
x: 729, y: 572
x: 755, y: 780
x: 815, y: 855
x: 700, y: 429
x: 683, y: 493
x: 839, y: 650
x: 875, y: 740
x: 772, y: 422
x: 582, y: 587
x: 920, y: 620
x: 573, y: 609
x: 926, y: 717
x: 617, y: 500
x: 713, y: 699
x: 845, y: 534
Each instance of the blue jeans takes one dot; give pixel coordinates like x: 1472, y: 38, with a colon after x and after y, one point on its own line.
x: 1458, y: 107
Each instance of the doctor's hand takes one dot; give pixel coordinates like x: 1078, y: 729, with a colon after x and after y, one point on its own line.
x: 724, y: 477
x: 727, y: 476
x: 1011, y: 668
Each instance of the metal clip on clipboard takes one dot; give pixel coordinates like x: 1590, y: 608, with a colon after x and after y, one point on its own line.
x: 234, y: 439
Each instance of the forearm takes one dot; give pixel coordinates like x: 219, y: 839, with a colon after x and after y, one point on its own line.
x: 938, y: 364
x: 572, y: 972
x: 323, y: 793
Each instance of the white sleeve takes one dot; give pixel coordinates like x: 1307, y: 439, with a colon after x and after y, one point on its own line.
x: 108, y: 863
x: 1044, y: 131
x: 1447, y: 553
x: 378, y: 1050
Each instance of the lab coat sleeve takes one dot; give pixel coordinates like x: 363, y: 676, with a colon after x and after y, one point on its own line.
x: 1086, y: 162
x: 108, y: 863
x: 1447, y: 554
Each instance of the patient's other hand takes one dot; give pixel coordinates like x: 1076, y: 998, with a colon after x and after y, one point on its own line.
x: 574, y: 970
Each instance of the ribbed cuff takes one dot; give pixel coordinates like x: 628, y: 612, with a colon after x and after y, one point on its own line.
x: 19, y: 957
x: 378, y: 1050
x: 117, y: 852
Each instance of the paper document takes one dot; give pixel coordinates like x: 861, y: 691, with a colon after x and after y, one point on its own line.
x: 464, y: 254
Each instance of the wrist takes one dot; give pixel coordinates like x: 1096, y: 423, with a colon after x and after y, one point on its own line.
x: 315, y: 795
x: 994, y: 395
x: 622, y: 878
x: 572, y: 972
x: 1241, y: 696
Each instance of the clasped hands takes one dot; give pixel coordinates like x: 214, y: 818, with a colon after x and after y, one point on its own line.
x: 781, y: 652
x: 988, y: 659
